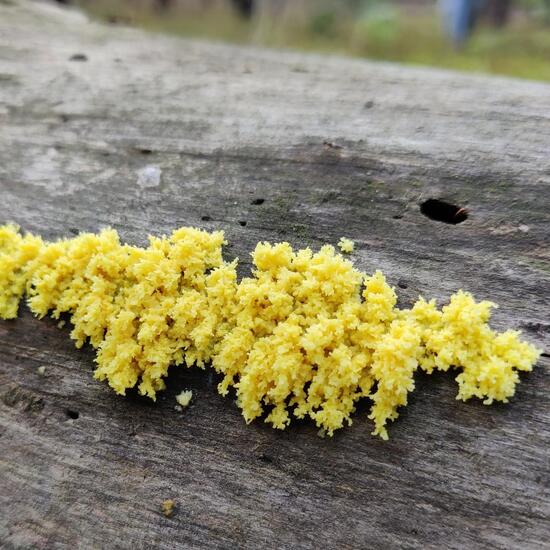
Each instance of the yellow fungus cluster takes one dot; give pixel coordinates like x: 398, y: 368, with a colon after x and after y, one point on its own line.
x: 307, y: 335
x: 16, y: 252
x: 184, y: 398
x: 347, y: 246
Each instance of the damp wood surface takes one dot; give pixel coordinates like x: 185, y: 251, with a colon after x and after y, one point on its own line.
x: 108, y: 126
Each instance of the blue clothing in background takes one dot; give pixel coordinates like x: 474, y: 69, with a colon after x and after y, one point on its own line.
x: 459, y: 17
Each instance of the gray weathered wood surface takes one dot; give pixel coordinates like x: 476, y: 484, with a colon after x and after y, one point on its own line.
x: 334, y: 147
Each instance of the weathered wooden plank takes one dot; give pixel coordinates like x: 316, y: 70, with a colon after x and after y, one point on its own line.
x: 333, y: 147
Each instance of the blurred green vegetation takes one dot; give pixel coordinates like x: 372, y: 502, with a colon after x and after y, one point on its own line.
x: 374, y: 29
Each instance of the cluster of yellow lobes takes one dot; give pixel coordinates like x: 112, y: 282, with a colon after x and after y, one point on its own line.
x: 306, y: 335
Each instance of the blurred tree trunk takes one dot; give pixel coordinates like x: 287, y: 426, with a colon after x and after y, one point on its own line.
x: 499, y: 12
x: 244, y: 7
x: 163, y: 5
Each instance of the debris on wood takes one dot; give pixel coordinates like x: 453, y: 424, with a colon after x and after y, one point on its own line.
x: 168, y: 507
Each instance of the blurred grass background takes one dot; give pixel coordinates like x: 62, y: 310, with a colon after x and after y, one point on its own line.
x: 404, y: 31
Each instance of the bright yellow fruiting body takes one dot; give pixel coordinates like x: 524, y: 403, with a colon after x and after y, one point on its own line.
x: 306, y: 335
x: 16, y: 252
x: 347, y: 246
x: 184, y: 398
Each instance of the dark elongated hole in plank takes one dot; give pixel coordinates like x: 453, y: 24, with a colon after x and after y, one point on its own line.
x: 402, y: 284
x: 72, y: 414
x: 257, y: 201
x: 442, y: 211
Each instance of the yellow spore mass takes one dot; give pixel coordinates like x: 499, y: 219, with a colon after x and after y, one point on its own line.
x: 307, y: 335
x: 16, y: 252
x: 184, y: 398
x: 347, y: 246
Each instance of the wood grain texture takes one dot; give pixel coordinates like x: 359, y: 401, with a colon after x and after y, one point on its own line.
x: 333, y: 147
